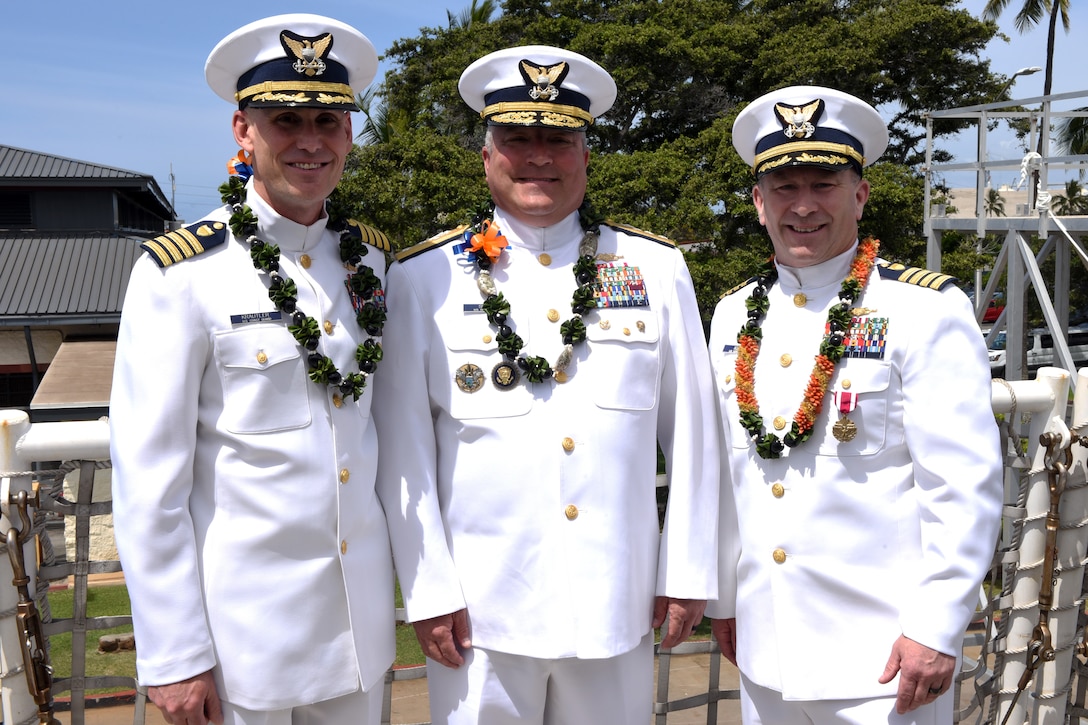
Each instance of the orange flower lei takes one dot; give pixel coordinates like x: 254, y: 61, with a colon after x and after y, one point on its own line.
x: 768, y: 445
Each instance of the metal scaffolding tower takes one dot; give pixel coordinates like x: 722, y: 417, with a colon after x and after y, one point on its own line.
x: 1060, y: 236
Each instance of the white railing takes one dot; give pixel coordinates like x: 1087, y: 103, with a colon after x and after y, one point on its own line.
x: 24, y: 448
x: 996, y: 660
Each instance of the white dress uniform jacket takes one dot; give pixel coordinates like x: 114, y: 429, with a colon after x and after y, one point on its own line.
x: 535, y: 505
x: 846, y: 545
x: 246, y: 518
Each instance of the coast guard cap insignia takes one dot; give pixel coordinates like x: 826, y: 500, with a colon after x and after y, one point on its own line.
x: 309, y: 53
x: 799, y: 121
x: 542, y: 80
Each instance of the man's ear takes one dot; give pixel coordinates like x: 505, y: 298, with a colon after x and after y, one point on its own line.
x: 240, y: 126
x: 861, y: 197
x: 757, y: 199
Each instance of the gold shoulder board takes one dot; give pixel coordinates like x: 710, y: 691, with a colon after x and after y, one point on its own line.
x: 738, y: 288
x: 915, y: 276
x: 370, y: 235
x: 186, y: 242
x: 634, y: 231
x: 433, y: 243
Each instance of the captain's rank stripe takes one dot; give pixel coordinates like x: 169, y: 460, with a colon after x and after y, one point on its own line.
x: 185, y: 242
x: 916, y: 276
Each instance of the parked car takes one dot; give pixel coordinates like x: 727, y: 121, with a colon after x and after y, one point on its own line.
x: 993, y: 311
x: 1040, y: 349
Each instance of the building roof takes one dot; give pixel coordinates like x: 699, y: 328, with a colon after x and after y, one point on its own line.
x: 21, y: 164
x: 77, y: 384
x: 64, y: 279
x: 23, y: 168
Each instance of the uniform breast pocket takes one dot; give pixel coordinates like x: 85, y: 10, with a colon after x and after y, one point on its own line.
x: 264, y: 380
x: 624, y: 358
x: 482, y: 385
x: 856, y: 426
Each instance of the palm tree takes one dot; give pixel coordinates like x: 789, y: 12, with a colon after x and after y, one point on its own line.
x: 1028, y: 17
x: 1074, y: 201
x: 1071, y: 135
x: 479, y: 12
x: 376, y: 128
x: 994, y: 204
x: 381, y: 124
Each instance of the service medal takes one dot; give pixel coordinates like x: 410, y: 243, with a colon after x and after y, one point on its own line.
x: 469, y: 378
x: 845, y: 429
x: 505, y: 375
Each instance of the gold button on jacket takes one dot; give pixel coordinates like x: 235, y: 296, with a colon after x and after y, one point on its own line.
x: 779, y: 556
x: 571, y: 512
x: 778, y: 490
x: 568, y: 444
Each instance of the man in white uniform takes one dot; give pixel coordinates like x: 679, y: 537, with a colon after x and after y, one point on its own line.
x: 862, y: 450
x: 540, y: 357
x: 255, y: 549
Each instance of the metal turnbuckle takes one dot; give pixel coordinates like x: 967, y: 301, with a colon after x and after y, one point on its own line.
x: 1041, y: 647
x: 39, y: 675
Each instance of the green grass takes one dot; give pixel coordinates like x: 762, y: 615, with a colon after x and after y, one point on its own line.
x: 101, y: 602
x: 113, y: 601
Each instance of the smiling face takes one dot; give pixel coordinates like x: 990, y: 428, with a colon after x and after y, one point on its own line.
x: 536, y: 174
x: 298, y: 156
x: 811, y: 214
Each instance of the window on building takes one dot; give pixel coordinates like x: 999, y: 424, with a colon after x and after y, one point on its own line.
x: 16, y: 390
x: 15, y: 210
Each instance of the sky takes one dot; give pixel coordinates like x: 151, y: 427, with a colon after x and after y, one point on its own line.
x: 121, y: 82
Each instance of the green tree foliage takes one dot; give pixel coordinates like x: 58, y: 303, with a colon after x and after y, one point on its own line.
x: 1029, y: 15
x: 662, y: 157
x: 1071, y: 134
x: 1073, y: 201
x: 994, y: 203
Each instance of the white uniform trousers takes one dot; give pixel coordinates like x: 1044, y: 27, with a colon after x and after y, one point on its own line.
x: 496, y: 688
x: 764, y: 706
x: 356, y: 708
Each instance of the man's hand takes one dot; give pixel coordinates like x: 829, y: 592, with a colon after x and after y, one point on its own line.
x: 443, y: 637
x: 924, y: 673
x: 725, y: 631
x: 190, y: 702
x: 683, y: 616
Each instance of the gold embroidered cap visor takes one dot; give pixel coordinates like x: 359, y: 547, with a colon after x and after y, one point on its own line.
x: 297, y: 59
x: 809, y: 126
x: 537, y: 85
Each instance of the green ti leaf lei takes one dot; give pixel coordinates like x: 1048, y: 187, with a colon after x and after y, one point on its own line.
x: 536, y: 369
x: 284, y: 293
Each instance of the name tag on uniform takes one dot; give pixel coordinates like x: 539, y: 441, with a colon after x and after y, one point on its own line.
x: 473, y: 308
x: 254, y: 317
